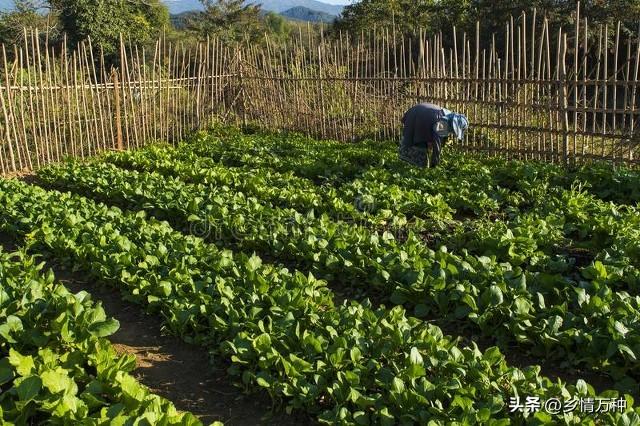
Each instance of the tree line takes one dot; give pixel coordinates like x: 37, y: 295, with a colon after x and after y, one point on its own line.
x: 139, y: 22
x: 143, y: 21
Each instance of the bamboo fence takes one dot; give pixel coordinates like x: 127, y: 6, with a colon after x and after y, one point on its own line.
x: 68, y: 104
x: 552, y: 94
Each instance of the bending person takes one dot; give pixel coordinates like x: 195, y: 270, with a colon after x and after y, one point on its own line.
x: 427, y: 126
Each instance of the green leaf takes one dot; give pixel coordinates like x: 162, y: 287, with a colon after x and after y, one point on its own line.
x: 626, y: 350
x: 415, y: 357
x: 262, y: 342
x: 581, y: 387
x: 629, y: 419
x: 24, y: 365
x: 492, y: 355
x: 104, y: 328
x: 522, y: 306
x: 6, y: 372
x: 57, y: 381
x: 397, y: 298
x: 314, y: 342
x: 414, y: 371
x: 299, y: 363
x: 620, y: 328
x: 397, y: 385
x: 131, y: 387
x: 262, y: 382
x: 492, y: 296
x: 465, y: 403
x: 361, y: 418
x: 11, y: 325
x: 355, y: 354
x: 29, y: 388
x: 254, y: 263
x: 386, y: 419
x: 583, y: 297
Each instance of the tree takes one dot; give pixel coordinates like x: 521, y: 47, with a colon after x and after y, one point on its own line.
x: 434, y: 16
x: 104, y: 20
x: 230, y: 20
x: 277, y: 26
x: 408, y: 16
x: 25, y: 15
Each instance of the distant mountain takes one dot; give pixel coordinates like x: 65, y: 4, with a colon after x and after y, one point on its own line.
x: 302, y: 13
x: 279, y: 6
x: 180, y: 20
x: 284, y: 5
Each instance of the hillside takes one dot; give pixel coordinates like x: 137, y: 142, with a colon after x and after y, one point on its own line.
x: 180, y: 20
x: 302, y: 13
x: 316, y: 11
x: 284, y: 5
x: 179, y: 6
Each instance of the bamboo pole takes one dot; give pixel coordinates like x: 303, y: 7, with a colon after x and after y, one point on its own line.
x: 141, y: 69
x: 50, y: 72
x: 634, y: 88
x: 565, y: 95
x: 576, y: 63
x: 59, y: 112
x: 68, y: 92
x: 517, y: 87
x: 597, y: 89
x: 615, y: 75
x: 9, y: 119
x: 16, y: 110
x: 118, y: 115
x: 126, y: 74
x: 7, y: 123
x: 76, y: 101
x: 323, y: 110
x: 35, y: 130
x: 626, y: 95
x: 96, y: 100
x: 35, y: 48
x: 605, y: 81
x: 90, y: 134
x: 156, y: 119
x: 585, y: 48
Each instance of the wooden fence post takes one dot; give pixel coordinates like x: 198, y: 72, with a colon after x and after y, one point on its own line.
x: 565, y: 101
x: 116, y: 91
x: 243, y: 104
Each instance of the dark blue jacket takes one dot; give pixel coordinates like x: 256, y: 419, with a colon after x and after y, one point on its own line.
x: 418, y: 134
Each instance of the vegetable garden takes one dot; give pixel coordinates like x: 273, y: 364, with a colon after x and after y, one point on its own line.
x: 331, y: 276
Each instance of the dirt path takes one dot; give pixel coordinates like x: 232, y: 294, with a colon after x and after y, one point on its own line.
x: 176, y: 370
x: 180, y: 372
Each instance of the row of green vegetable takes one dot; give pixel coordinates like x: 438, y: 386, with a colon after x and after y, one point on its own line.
x: 303, y: 156
x: 578, y: 320
x: 369, y: 201
x: 349, y: 364
x: 571, y: 215
x: 56, y: 365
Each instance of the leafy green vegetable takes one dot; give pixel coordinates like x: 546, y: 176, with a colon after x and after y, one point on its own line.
x: 69, y: 374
